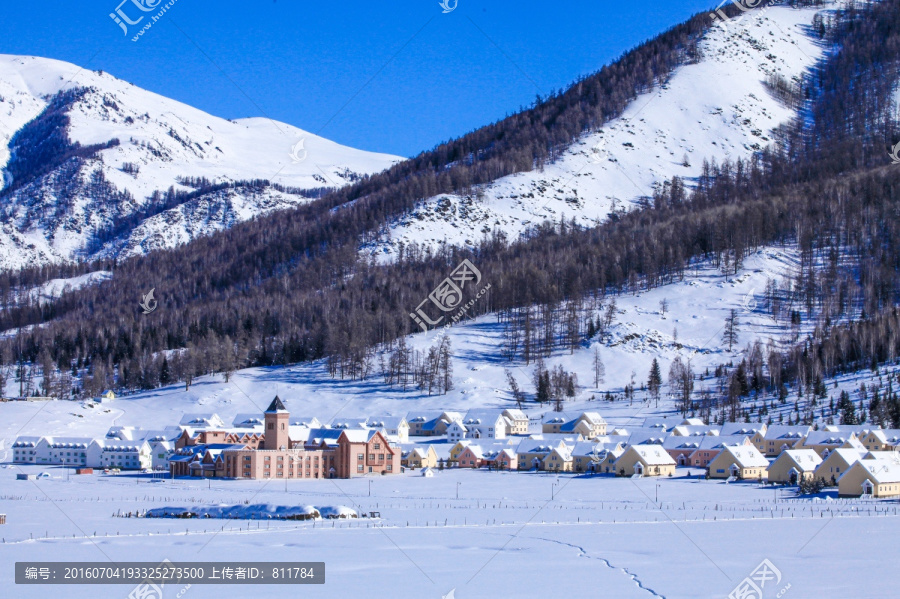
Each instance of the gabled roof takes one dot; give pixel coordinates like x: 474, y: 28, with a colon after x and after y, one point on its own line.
x: 483, y: 414
x: 657, y: 422
x: 848, y: 455
x: 247, y: 420
x: 537, y: 446
x: 827, y: 438
x: 746, y: 456
x: 695, y: 430
x: 641, y: 436
x: 718, y: 441
x: 307, y: 421
x: 202, y: 420
x: 593, y: 417
x: 652, y: 454
x: 675, y: 442
x: 557, y: 417
x: 515, y: 414
x: 806, y: 459
x: 385, y: 421
x: 26, y: 441
x: 741, y: 428
x: 785, y: 433
x: 70, y: 442
x: 883, y: 471
x: 359, y: 435
x: 276, y: 406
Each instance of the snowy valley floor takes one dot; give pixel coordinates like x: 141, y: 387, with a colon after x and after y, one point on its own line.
x: 504, y: 536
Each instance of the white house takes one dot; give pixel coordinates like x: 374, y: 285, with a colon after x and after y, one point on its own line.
x: 486, y: 424
x: 25, y: 450
x: 456, y: 431
x: 126, y: 455
x: 202, y: 421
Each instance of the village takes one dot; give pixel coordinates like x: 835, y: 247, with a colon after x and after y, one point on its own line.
x: 858, y: 460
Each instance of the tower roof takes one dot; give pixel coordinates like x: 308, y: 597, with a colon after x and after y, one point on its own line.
x: 276, y: 406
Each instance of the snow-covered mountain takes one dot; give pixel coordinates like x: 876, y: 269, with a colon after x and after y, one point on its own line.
x: 720, y: 107
x: 134, y: 143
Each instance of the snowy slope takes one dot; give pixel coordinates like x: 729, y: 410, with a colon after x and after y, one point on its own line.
x: 716, y: 109
x: 163, y: 140
x: 639, y: 334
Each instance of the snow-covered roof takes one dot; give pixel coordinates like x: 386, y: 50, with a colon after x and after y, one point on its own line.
x: 746, y: 456
x: 392, y: 422
x: 883, y: 471
x: 784, y: 432
x: 827, y: 438
x: 69, y: 442
x: 848, y: 455
x: 537, y: 446
x: 653, y: 454
x: 248, y: 420
x: 307, y: 421
x: 26, y: 441
x: 807, y: 459
x: 515, y: 414
x: 484, y: 415
x: 741, y: 428
x: 359, y: 435
x: 557, y: 417
x: 201, y: 420
x: 695, y: 430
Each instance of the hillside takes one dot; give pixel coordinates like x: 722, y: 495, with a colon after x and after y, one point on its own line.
x: 293, y: 289
x: 720, y: 106
x: 96, y: 167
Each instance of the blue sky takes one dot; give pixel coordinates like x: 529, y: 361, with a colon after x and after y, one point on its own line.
x: 397, y: 77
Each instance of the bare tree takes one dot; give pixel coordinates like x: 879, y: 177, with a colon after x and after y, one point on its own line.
x: 730, y: 334
x: 681, y: 383
x: 599, y: 367
x: 517, y: 393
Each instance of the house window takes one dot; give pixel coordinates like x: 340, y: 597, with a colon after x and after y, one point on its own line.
x: 378, y: 446
x: 389, y: 467
x: 359, y: 468
x: 372, y: 457
x: 360, y: 457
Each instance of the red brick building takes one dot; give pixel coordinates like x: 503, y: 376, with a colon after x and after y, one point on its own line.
x: 327, y: 453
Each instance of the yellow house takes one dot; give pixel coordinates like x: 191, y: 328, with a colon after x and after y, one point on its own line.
x: 422, y: 456
x: 879, y: 439
x: 458, y: 449
x: 836, y: 465
x: 645, y: 460
x: 875, y: 478
x: 778, y: 438
x: 793, y: 465
x: 824, y: 442
x: 744, y: 462
x: 558, y: 460
x: 531, y: 453
x: 106, y: 395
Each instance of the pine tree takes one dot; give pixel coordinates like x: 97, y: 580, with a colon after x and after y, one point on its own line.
x: 654, y: 381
